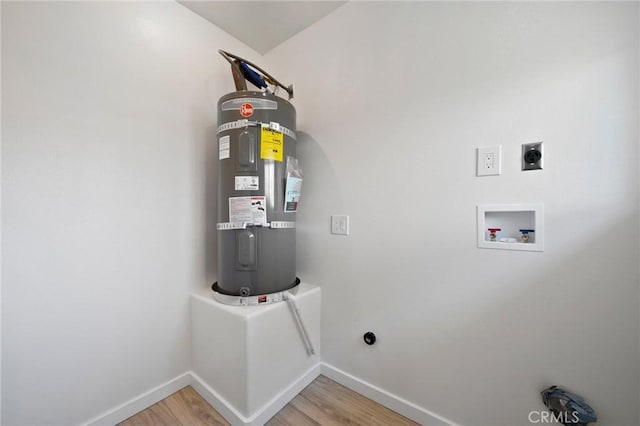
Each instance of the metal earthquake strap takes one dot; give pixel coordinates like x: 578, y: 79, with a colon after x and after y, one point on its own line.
x: 241, y: 124
x: 226, y: 226
x: 282, y: 225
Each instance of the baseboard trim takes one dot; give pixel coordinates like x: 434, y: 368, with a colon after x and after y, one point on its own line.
x: 389, y: 400
x: 216, y: 400
x: 141, y: 402
x: 381, y: 396
x: 263, y: 415
x: 276, y: 404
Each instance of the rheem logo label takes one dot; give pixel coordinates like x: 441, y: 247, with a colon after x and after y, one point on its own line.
x: 246, y: 110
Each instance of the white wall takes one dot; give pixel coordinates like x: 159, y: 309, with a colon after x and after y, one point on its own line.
x: 0, y: 222
x: 394, y: 98
x: 108, y: 144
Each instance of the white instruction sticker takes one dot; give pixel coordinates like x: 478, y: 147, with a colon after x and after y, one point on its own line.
x: 251, y: 210
x: 292, y: 194
x: 224, y: 147
x: 247, y: 183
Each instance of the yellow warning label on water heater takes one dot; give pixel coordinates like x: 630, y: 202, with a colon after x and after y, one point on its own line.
x: 271, y: 144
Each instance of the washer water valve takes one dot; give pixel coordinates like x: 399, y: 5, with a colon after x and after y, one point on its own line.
x: 492, y: 233
x: 525, y: 234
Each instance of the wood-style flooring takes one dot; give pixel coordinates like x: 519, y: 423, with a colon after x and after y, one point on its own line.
x: 323, y: 402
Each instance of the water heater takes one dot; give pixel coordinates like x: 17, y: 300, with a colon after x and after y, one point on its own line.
x: 259, y: 183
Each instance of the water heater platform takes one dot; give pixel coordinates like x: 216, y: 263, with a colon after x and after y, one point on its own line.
x: 250, y: 361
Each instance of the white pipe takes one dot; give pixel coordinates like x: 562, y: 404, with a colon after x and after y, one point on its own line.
x: 291, y: 300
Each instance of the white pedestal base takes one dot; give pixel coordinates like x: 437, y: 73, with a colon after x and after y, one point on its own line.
x: 250, y: 361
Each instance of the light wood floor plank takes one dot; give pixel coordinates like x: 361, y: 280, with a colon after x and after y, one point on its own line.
x: 291, y: 416
x: 319, y: 411
x: 158, y: 414
x: 340, y: 405
x: 191, y: 409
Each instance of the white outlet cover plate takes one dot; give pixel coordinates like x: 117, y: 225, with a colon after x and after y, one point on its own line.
x: 340, y: 224
x: 485, y: 166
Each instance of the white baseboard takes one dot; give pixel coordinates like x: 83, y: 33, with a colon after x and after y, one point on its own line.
x: 278, y: 403
x: 139, y: 403
x: 147, y: 399
x: 265, y: 413
x: 389, y: 400
x: 220, y: 404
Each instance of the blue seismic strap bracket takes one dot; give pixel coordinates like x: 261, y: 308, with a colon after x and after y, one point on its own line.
x: 244, y: 70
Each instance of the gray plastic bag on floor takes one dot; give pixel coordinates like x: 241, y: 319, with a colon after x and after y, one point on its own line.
x: 569, y: 408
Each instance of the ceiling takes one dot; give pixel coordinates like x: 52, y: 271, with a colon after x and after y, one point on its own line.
x: 262, y: 25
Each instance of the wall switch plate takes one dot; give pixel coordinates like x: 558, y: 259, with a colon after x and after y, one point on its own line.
x: 532, y: 156
x: 340, y: 224
x: 489, y: 160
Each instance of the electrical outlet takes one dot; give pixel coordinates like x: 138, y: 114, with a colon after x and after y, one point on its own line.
x: 340, y: 224
x: 532, y: 156
x: 489, y: 160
